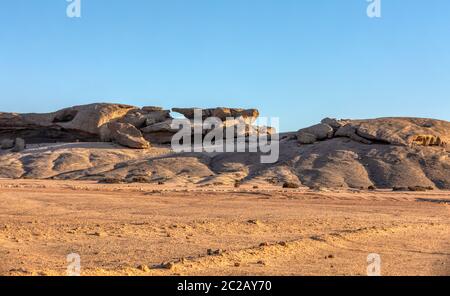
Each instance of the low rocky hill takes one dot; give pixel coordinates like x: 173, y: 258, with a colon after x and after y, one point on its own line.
x: 93, y: 142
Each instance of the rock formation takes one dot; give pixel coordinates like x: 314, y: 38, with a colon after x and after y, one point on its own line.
x: 79, y: 123
x: 221, y: 112
x: 393, y: 131
x: 162, y: 132
x: 373, y: 153
x: 7, y: 144
x: 126, y: 125
x: 19, y: 145
x: 16, y: 145
x: 146, y: 116
x: 312, y: 134
x: 124, y: 134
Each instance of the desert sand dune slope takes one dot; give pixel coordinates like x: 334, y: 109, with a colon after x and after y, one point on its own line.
x: 145, y: 229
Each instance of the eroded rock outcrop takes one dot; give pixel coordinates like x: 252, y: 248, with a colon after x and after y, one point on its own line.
x: 78, y: 123
x: 250, y: 115
x: 87, y: 118
x: 379, y: 153
x: 7, y: 144
x: 162, y: 132
x: 392, y: 131
x: 126, y: 125
x: 124, y: 134
x: 141, y: 118
x: 16, y: 145
x: 312, y: 134
x: 19, y: 145
x: 428, y: 140
x: 351, y: 132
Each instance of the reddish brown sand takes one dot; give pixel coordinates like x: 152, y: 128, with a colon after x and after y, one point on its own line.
x: 123, y: 229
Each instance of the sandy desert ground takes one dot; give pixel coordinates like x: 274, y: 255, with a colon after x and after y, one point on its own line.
x: 140, y: 229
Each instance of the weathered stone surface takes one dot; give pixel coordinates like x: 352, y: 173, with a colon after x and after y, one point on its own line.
x: 19, y: 145
x: 220, y: 112
x: 318, y: 132
x: 89, y: 123
x: 266, y: 130
x: 165, y: 126
x: 393, y: 131
x: 186, y: 112
x: 14, y: 120
x: 83, y: 121
x: 156, y: 117
x: 306, y: 138
x: 162, y: 132
x: 7, y: 144
x: 224, y: 113
x: 334, y: 123
x: 89, y: 118
x: 401, y: 131
x: 338, y: 162
x: 161, y: 137
x: 321, y: 131
x: 151, y: 109
x: 428, y: 140
x: 124, y: 134
x: 140, y: 118
x: 135, y: 117
x: 349, y: 131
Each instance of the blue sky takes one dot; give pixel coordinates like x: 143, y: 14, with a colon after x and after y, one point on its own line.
x: 300, y: 60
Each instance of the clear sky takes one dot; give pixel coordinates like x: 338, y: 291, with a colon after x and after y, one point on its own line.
x: 300, y: 60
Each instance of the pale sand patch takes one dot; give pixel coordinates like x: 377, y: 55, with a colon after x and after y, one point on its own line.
x: 264, y: 231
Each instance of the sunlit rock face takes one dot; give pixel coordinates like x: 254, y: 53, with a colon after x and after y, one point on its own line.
x: 92, y: 142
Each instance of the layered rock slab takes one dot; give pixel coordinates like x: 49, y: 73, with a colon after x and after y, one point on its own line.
x: 392, y: 131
